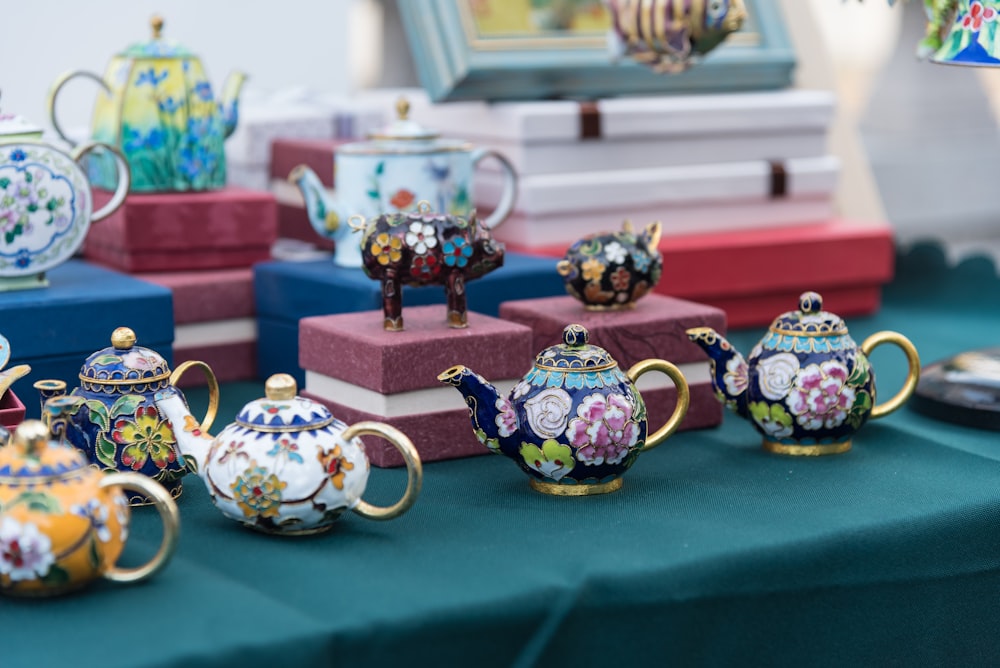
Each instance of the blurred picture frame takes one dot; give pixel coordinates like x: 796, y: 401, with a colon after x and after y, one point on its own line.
x: 545, y: 49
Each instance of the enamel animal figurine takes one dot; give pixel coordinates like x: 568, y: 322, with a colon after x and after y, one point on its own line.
x: 670, y: 35
x: 612, y: 271
x: 576, y: 422
x: 158, y: 108
x: 116, y: 421
x: 63, y: 523
x: 425, y: 248
x: 392, y: 172
x: 287, y: 466
x: 807, y: 387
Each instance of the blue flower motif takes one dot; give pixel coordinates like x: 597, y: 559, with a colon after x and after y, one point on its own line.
x: 196, y: 160
x: 200, y: 128
x: 203, y: 90
x: 438, y: 172
x: 18, y: 155
x: 457, y: 252
x: 640, y: 260
x: 169, y: 105
x: 149, y: 76
x: 136, y: 141
x: 23, y: 258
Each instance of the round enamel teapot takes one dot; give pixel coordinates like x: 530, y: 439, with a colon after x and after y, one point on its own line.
x: 46, y: 206
x: 576, y: 422
x: 158, y: 108
x: 393, y: 172
x: 287, y: 465
x: 116, y: 421
x: 63, y: 523
x: 807, y: 387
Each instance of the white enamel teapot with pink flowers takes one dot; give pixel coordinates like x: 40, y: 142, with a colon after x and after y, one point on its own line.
x: 576, y: 422
x: 807, y: 387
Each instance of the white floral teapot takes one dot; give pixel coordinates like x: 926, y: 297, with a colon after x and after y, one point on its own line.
x: 287, y: 465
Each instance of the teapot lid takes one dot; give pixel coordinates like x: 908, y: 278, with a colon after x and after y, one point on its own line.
x: 404, y: 135
x: 404, y: 127
x: 31, y: 454
x: 282, y: 410
x: 575, y: 354
x: 124, y: 363
x: 156, y: 47
x: 810, y: 319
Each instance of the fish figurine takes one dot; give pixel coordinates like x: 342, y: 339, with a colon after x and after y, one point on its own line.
x: 670, y: 35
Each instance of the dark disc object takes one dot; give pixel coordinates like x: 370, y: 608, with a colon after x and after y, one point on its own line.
x: 964, y: 389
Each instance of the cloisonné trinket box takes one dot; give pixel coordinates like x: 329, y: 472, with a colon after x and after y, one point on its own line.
x: 575, y: 423
x: 807, y: 387
x: 287, y: 465
x: 63, y: 523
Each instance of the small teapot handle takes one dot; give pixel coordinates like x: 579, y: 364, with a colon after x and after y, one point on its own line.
x: 912, y: 374
x: 124, y: 177
x: 167, y: 508
x: 509, y: 195
x: 414, y: 469
x: 683, y: 397
x: 54, y: 92
x: 213, y: 390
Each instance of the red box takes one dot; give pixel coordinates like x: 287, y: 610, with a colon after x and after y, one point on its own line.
x: 755, y: 275
x: 362, y: 372
x: 655, y: 328
x: 232, y: 227
x: 11, y: 411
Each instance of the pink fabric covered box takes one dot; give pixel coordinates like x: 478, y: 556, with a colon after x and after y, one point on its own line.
x: 655, y: 328
x: 214, y: 322
x: 362, y: 372
x: 11, y: 411
x: 232, y: 227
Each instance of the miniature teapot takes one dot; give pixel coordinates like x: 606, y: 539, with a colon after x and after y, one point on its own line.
x: 287, y: 466
x: 612, y: 271
x: 46, y: 206
x: 807, y: 387
x: 576, y: 422
x: 158, y: 108
x: 116, y: 421
x: 63, y: 523
x: 424, y: 248
x: 394, y: 171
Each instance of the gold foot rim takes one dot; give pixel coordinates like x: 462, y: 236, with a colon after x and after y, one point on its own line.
x: 175, y: 493
x: 814, y: 450
x: 555, y: 489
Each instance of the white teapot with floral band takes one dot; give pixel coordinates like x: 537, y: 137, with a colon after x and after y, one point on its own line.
x: 287, y: 465
x: 576, y: 422
x: 393, y: 172
x: 807, y: 387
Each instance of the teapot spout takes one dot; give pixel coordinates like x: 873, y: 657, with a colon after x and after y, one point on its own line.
x: 192, y: 441
x: 229, y: 104
x: 49, y: 389
x: 730, y: 375
x: 493, y: 418
x: 326, y: 216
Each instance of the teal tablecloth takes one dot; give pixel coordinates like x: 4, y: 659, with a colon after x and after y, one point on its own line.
x: 713, y: 553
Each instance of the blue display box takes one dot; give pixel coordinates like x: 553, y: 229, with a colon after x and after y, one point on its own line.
x: 286, y: 292
x: 55, y: 328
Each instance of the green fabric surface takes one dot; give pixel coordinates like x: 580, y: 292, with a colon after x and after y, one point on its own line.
x: 713, y: 553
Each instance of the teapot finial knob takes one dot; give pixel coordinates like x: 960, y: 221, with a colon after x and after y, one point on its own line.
x: 31, y: 436
x: 810, y: 302
x: 576, y: 336
x: 122, y: 338
x: 402, y: 108
x: 280, y: 387
x: 157, y: 24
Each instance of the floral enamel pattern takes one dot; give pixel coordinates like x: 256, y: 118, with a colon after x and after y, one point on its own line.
x: 613, y: 270
x: 425, y: 248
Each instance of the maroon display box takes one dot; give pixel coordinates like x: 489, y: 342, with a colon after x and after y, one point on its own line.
x: 11, y: 411
x: 318, y: 154
x: 232, y: 227
x: 655, y: 328
x: 362, y: 372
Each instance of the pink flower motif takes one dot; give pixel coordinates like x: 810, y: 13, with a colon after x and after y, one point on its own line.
x: 604, y: 432
x: 506, y: 418
x: 977, y: 15
x: 737, y: 376
x: 820, y: 397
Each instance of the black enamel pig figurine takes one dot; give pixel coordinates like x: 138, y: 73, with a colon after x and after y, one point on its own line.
x: 611, y: 271
x: 425, y: 248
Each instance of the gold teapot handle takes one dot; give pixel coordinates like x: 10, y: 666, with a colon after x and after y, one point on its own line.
x: 213, y: 389
x: 414, y: 469
x: 167, y: 508
x: 683, y: 397
x: 912, y: 374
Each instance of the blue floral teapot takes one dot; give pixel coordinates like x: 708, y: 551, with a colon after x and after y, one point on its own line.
x: 807, y: 387
x: 576, y: 422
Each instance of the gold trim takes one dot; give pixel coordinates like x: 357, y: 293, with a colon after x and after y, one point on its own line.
x: 807, y: 450
x: 414, y: 469
x: 912, y: 373
x: 112, y: 381
x: 167, y: 508
x: 787, y: 332
x: 555, y: 489
x: 293, y: 429
x: 604, y: 367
